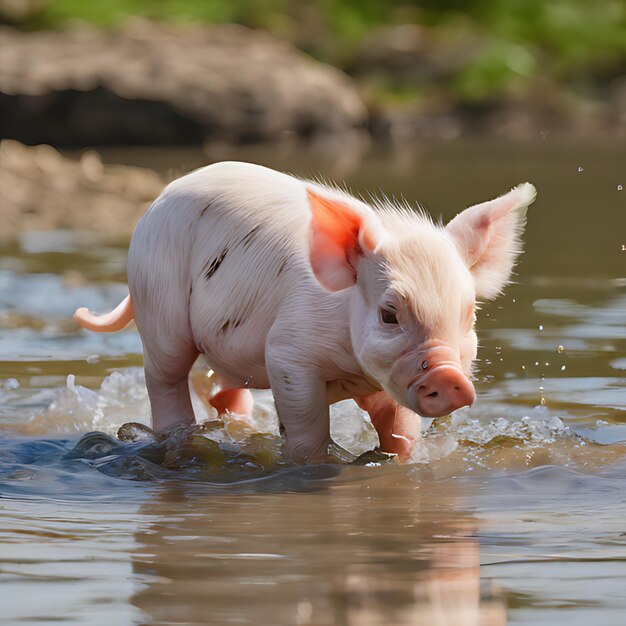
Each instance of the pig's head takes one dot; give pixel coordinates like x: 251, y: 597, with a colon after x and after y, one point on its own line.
x: 414, y: 286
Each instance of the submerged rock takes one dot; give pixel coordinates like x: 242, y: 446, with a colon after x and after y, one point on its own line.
x: 149, y: 83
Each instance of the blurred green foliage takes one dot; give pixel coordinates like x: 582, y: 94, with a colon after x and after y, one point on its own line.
x: 514, y: 42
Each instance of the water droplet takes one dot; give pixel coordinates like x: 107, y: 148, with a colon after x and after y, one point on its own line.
x: 543, y: 401
x: 563, y: 368
x: 560, y: 349
x: 523, y: 367
x: 513, y: 300
x: 581, y: 168
x: 93, y: 358
x: 536, y: 363
x: 620, y: 187
x: 540, y: 326
x: 547, y: 364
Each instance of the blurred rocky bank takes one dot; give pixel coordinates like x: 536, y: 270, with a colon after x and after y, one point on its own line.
x: 41, y: 190
x: 149, y: 83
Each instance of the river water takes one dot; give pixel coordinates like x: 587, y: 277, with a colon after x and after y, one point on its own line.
x: 513, y: 511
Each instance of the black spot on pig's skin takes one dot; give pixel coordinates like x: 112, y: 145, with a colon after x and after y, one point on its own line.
x: 213, y: 265
x: 206, y: 208
x: 231, y: 325
x: 282, y: 266
x: 247, y: 240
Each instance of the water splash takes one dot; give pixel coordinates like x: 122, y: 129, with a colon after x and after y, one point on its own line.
x: 474, y: 441
x: 122, y: 397
x: 470, y: 438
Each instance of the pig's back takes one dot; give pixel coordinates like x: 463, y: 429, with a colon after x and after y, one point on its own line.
x: 249, y: 255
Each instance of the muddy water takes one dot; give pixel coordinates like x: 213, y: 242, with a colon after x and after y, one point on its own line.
x: 511, y: 511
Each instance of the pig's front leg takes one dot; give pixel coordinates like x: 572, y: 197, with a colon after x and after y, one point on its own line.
x: 398, y: 428
x: 300, y: 397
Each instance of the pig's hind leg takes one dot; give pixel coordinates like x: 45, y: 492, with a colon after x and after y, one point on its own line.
x: 169, y: 353
x: 398, y: 428
x: 232, y: 399
x: 168, y: 386
x: 160, y: 288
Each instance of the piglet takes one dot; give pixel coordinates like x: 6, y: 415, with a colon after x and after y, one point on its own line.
x: 299, y: 287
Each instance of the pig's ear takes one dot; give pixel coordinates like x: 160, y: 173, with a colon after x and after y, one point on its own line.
x: 488, y: 238
x: 339, y: 236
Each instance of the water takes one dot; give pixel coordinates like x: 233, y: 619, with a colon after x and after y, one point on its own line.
x: 512, y: 510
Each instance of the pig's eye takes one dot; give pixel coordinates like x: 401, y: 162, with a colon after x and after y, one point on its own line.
x: 388, y: 316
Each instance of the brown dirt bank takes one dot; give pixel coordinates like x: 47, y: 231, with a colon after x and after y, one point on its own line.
x: 150, y: 83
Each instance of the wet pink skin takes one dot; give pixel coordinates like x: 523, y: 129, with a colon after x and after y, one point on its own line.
x: 440, y: 385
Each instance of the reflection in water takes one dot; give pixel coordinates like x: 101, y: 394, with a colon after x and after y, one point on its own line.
x: 63, y: 561
x: 269, y: 559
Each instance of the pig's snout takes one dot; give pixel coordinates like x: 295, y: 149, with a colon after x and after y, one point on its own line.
x: 444, y: 390
x: 441, y: 387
